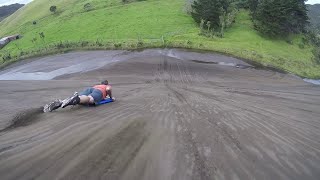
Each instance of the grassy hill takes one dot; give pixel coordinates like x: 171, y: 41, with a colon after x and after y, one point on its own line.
x: 110, y: 24
x: 6, y: 11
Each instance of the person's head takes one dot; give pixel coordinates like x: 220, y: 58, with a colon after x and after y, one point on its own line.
x: 105, y: 82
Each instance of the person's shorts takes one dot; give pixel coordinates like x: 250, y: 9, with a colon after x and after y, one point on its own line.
x: 95, y: 93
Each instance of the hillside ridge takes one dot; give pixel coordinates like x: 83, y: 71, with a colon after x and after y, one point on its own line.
x: 143, y: 24
x: 6, y: 11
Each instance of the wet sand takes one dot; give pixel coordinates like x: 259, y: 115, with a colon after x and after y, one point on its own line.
x: 175, y: 118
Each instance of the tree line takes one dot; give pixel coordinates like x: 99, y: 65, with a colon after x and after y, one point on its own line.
x: 314, y: 14
x: 270, y: 17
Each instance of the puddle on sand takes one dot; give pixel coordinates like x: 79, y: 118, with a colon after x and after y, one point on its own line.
x: 51, y: 67
x: 313, y: 81
x: 241, y: 66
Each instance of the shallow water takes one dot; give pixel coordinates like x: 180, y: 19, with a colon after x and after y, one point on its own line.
x: 50, y: 67
x: 313, y: 81
x: 53, y: 66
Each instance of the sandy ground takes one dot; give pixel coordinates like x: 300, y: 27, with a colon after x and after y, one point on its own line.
x: 173, y: 119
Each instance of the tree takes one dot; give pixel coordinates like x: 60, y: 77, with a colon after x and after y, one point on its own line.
x: 314, y: 14
x: 42, y: 36
x: 53, y: 9
x: 280, y: 17
x: 87, y: 7
x: 210, y: 10
x: 242, y: 3
x: 253, y: 5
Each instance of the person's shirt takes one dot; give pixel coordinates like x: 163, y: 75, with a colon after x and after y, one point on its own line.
x: 103, y: 88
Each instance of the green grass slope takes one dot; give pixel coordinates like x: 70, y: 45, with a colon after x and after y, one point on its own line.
x: 152, y: 23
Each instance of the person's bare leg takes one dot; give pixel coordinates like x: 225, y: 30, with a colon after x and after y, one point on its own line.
x: 74, y: 100
x: 86, y: 99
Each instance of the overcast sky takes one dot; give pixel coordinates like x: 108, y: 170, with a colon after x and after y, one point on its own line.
x: 7, y: 2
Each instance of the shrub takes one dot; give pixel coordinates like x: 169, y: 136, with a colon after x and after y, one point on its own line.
x: 42, y: 36
x: 301, y: 45
x: 140, y: 44
x: 289, y: 41
x: 53, y: 9
x: 6, y: 57
x: 60, y: 45
x: 87, y: 7
x: 278, y: 18
x: 117, y: 45
x: 34, y: 40
x: 314, y: 40
x: 209, y: 10
x: 84, y: 43
x: 98, y: 43
x: 213, y: 16
x: 316, y: 54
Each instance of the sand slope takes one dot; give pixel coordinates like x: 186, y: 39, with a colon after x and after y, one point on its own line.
x: 173, y: 119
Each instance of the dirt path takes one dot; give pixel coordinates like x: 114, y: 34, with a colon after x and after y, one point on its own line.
x: 173, y: 119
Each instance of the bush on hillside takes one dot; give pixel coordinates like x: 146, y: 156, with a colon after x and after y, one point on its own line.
x: 244, y: 4
x: 314, y: 39
x: 213, y: 15
x: 34, y: 40
x: 253, y: 5
x: 316, y: 54
x: 53, y: 9
x: 130, y: 1
x: 314, y: 14
x: 42, y: 36
x: 87, y: 7
x: 6, y: 57
x: 279, y: 17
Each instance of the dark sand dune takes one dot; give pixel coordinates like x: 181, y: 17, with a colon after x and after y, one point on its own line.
x: 173, y: 119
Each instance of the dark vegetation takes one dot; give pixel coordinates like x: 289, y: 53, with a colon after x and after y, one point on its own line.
x: 279, y: 18
x: 6, y: 11
x: 213, y: 16
x: 314, y: 14
x: 129, y: 1
x: 272, y: 18
x: 53, y: 9
x: 87, y: 7
x: 314, y: 29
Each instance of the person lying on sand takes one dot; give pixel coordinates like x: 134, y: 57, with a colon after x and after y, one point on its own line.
x: 89, y: 96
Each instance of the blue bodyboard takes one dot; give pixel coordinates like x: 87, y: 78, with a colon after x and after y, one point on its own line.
x: 105, y: 101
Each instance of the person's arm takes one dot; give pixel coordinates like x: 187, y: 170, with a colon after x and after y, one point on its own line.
x: 109, y: 92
